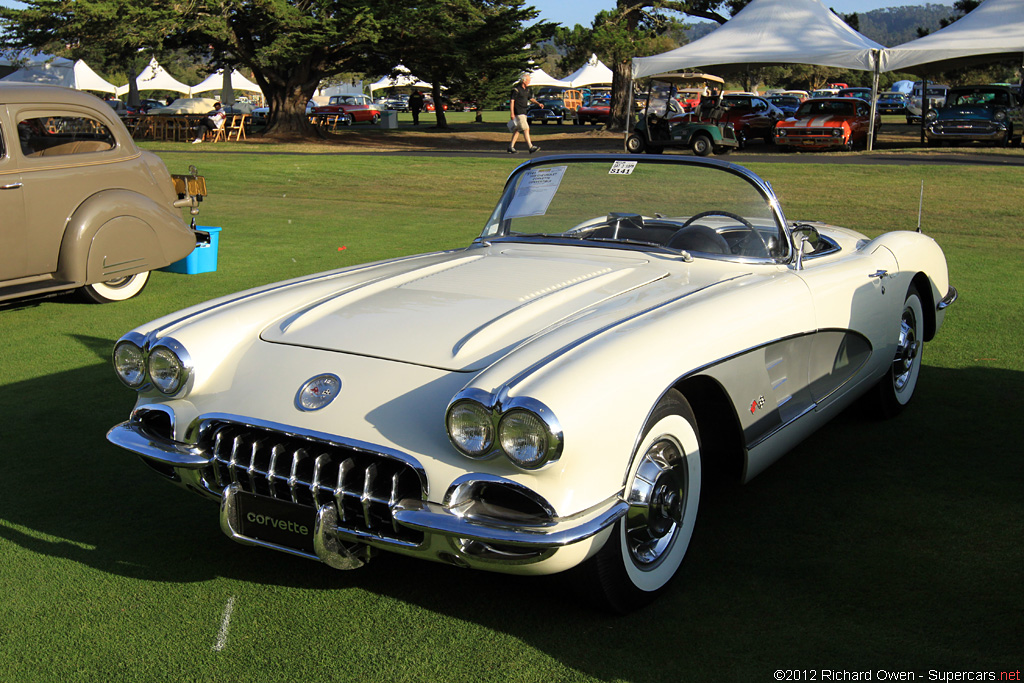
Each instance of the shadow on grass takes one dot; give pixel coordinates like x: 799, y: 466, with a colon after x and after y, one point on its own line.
x: 873, y: 544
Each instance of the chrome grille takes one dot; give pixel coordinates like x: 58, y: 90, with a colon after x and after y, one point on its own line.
x: 365, y: 486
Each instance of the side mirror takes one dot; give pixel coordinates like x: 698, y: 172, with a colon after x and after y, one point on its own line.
x: 805, y: 241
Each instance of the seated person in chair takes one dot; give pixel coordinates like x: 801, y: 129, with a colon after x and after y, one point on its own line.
x: 213, y: 122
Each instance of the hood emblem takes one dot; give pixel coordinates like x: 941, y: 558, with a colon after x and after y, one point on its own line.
x: 317, y: 392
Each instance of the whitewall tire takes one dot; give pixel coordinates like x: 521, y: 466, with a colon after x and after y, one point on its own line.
x: 115, y: 290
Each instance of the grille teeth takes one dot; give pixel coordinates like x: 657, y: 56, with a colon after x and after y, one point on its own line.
x: 364, y: 486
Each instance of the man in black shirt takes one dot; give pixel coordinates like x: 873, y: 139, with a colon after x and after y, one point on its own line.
x: 518, y: 103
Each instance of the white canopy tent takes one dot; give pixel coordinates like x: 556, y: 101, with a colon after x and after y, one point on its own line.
x: 772, y: 32
x: 996, y: 27
x: 63, y: 72
x: 592, y: 73
x: 540, y: 78
x: 216, y: 81
x: 404, y: 79
x: 155, y: 77
x: 776, y: 32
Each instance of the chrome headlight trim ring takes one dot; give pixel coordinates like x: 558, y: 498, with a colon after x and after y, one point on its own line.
x: 135, y: 341
x: 553, y: 437
x: 184, y: 361
x: 496, y: 411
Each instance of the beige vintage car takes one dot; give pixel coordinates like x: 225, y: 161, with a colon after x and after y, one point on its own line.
x: 83, y: 207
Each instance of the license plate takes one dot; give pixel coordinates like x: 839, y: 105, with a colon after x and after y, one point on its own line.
x: 276, y: 521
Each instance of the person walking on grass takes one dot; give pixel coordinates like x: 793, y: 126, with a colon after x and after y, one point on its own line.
x: 519, y: 101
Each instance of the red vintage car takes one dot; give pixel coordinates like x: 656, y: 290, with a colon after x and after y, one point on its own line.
x: 827, y: 123
x: 597, y: 110
x: 360, y: 107
x: 751, y: 117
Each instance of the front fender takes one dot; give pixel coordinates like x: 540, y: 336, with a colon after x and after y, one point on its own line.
x: 115, y: 233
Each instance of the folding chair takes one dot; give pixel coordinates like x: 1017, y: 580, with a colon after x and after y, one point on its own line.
x: 236, y: 129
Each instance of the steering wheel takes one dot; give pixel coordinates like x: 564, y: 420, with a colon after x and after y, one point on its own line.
x: 747, y: 224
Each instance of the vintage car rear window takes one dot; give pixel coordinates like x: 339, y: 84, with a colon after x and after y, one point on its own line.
x: 45, y: 136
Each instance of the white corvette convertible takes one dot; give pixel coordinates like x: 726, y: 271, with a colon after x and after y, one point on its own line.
x: 546, y: 398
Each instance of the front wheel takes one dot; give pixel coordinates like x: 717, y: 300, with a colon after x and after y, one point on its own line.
x: 114, y: 290
x: 647, y: 546
x: 635, y: 144
x: 894, y: 391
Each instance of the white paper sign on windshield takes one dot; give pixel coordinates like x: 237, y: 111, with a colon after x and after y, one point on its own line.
x: 535, y: 192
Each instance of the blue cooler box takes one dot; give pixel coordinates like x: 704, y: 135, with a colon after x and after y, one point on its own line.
x: 203, y: 258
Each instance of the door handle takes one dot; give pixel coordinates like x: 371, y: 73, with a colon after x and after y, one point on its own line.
x: 880, y: 274
x: 11, y: 186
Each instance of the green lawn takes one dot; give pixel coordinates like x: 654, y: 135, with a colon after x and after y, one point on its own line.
x: 892, y: 545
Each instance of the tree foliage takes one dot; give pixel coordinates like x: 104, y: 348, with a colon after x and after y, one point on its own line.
x: 290, y: 45
x: 477, y: 48
x: 636, y: 28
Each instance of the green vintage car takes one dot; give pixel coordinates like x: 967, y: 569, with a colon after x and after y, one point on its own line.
x: 663, y: 123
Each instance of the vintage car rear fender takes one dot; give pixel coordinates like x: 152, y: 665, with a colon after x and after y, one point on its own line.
x: 115, y: 233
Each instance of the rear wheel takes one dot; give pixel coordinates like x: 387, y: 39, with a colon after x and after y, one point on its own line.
x: 701, y: 145
x: 647, y: 546
x: 114, y: 290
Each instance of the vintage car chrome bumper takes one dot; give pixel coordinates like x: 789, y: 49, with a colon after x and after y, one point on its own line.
x: 983, y: 131
x: 951, y: 296
x: 467, y: 532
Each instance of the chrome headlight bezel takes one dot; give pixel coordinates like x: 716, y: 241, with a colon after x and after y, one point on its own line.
x: 131, y: 344
x: 179, y: 360
x: 484, y: 422
x: 168, y: 350
x: 501, y: 416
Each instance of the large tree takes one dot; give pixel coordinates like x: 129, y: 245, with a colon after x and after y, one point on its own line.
x: 290, y: 45
x: 476, y: 48
x: 113, y: 35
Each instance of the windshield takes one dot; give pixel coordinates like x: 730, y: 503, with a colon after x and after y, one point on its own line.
x: 702, y: 208
x: 978, y: 96
x: 825, y: 107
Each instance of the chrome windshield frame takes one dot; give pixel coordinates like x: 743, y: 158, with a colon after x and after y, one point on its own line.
x: 762, y: 186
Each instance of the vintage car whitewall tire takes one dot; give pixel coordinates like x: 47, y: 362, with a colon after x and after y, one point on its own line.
x: 896, y: 388
x: 647, y: 546
x: 119, y: 289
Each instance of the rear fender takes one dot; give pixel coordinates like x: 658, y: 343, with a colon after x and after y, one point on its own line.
x: 116, y: 233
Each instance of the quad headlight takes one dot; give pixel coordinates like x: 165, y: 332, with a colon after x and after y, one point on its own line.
x: 524, y: 430
x: 130, y: 363
x: 166, y: 365
x: 471, y: 428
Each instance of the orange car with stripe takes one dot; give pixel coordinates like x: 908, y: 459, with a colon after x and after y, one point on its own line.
x: 827, y: 123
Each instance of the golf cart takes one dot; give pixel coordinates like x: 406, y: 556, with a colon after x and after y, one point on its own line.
x: 664, y: 123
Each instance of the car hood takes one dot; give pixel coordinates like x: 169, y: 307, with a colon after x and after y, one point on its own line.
x: 980, y: 112
x: 464, y: 313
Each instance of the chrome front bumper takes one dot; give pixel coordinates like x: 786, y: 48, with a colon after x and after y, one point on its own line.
x: 466, y: 534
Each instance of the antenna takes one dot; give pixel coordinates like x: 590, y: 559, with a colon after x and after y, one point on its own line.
x: 920, y: 207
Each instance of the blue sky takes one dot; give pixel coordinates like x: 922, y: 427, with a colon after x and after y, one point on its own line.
x: 572, y: 12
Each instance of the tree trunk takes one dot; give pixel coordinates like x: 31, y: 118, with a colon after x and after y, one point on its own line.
x: 287, y: 93
x: 622, y: 82
x: 435, y: 92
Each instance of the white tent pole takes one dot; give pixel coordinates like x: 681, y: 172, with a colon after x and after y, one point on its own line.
x: 876, y: 56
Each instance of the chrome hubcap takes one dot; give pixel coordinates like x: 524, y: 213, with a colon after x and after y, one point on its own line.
x: 656, y: 500
x: 906, y: 350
